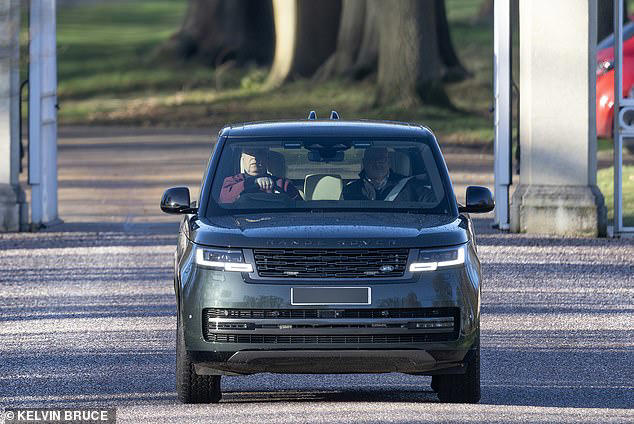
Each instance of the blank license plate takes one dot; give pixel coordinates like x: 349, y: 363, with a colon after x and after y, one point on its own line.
x: 331, y: 296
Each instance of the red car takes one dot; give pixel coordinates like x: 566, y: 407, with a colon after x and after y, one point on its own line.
x: 605, y: 78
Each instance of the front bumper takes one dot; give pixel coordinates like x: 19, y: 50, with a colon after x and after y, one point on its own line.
x: 420, y: 326
x: 411, y: 361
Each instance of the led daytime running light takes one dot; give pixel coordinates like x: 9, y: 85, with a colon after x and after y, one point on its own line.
x: 227, y: 266
x: 432, y: 266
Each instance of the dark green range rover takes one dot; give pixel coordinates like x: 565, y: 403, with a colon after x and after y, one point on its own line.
x: 327, y: 246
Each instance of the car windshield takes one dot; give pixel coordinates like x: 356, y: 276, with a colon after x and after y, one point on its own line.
x: 328, y: 173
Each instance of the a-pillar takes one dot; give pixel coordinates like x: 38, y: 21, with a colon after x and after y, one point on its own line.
x: 557, y: 193
x: 13, y: 208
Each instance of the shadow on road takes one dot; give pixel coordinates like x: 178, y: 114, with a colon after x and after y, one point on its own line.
x: 540, y: 378
x: 84, y: 326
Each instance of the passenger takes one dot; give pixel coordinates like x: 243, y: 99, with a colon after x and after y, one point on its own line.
x: 378, y: 182
x: 254, y: 178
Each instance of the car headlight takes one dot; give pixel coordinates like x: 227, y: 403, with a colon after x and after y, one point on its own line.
x: 227, y: 260
x: 430, y: 260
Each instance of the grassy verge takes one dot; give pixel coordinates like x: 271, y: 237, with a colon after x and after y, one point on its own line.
x: 605, y: 181
x: 106, y: 50
x: 108, y: 75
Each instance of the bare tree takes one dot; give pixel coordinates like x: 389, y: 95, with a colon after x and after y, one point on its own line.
x: 367, y: 59
x: 217, y: 31
x: 454, y: 71
x: 349, y: 39
x: 410, y: 65
x: 305, y: 34
x: 358, y: 40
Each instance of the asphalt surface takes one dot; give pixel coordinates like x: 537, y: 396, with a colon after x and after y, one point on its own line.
x: 87, y: 311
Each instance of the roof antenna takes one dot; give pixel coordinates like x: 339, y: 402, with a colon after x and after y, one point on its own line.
x: 312, y: 115
x: 334, y: 115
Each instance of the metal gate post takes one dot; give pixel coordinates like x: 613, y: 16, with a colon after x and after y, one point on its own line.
x: 503, y: 110
x: 622, y: 129
x: 43, y: 113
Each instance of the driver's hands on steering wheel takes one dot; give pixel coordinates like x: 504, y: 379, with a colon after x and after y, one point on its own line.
x: 265, y: 183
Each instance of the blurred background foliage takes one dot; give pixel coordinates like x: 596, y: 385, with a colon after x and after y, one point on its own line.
x: 111, y: 72
x: 137, y: 63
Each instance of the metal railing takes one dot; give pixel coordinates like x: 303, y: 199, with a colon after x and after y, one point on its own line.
x: 623, y: 109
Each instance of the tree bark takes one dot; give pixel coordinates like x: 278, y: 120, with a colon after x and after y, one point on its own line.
x: 357, y: 49
x: 349, y: 40
x: 356, y: 52
x: 454, y: 70
x: 305, y: 34
x: 410, y: 67
x: 217, y: 31
x: 367, y: 59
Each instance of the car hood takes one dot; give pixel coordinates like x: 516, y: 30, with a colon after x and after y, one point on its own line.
x: 330, y: 230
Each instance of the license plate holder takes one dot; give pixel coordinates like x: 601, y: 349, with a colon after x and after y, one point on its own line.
x: 331, y: 296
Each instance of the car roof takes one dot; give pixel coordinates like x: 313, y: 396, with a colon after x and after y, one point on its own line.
x: 326, y: 128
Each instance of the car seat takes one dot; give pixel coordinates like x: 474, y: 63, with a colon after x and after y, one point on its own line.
x: 277, y: 164
x: 323, y: 187
x: 400, y: 163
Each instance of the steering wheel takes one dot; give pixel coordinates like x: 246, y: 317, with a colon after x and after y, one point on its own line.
x: 276, y: 197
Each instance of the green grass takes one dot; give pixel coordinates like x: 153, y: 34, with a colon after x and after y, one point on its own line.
x: 107, y: 49
x: 605, y: 181
x: 109, y: 74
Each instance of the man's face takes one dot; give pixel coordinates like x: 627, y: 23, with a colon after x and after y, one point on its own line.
x: 255, y: 162
x: 376, y: 163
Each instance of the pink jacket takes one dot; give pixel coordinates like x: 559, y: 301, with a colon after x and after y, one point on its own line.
x: 233, y: 186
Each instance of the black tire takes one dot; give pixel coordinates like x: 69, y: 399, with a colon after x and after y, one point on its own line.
x: 191, y: 387
x: 461, y: 388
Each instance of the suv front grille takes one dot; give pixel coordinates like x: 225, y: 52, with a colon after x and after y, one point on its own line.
x: 331, y: 326
x: 329, y: 313
x: 330, y: 263
x: 332, y: 339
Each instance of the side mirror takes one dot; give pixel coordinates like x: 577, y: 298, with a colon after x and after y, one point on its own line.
x: 479, y: 200
x: 175, y: 200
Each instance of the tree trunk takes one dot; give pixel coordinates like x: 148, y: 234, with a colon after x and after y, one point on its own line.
x: 605, y: 18
x: 367, y: 59
x: 349, y: 41
x: 217, y: 31
x: 410, y: 67
x: 357, y: 50
x: 454, y: 69
x: 305, y: 34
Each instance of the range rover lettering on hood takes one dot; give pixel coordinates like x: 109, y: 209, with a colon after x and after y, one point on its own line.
x: 330, y: 243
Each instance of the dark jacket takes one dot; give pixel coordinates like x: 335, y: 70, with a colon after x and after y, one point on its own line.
x: 233, y: 186
x: 411, y: 192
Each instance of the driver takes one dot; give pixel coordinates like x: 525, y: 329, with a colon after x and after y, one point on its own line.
x: 254, y: 178
x: 378, y: 182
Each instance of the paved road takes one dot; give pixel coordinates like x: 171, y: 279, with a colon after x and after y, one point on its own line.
x: 87, y: 312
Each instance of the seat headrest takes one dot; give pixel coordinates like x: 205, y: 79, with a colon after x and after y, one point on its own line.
x: 323, y: 187
x: 400, y: 163
x: 277, y: 164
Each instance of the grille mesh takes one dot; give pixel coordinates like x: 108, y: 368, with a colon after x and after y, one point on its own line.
x: 330, y: 263
x: 331, y: 315
x: 326, y: 339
